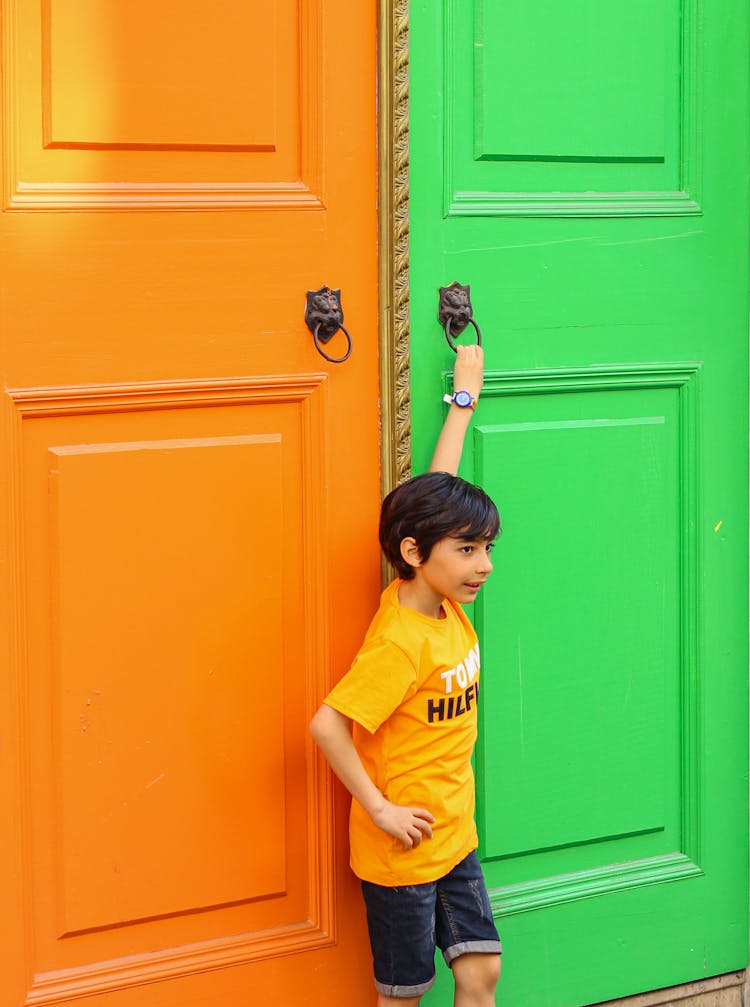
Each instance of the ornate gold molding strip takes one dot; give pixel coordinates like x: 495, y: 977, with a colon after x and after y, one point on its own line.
x: 394, y: 243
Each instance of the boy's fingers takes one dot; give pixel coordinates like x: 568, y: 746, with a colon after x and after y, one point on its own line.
x: 424, y: 813
x: 423, y: 819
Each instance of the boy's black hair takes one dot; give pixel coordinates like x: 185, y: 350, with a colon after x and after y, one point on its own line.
x: 431, y: 507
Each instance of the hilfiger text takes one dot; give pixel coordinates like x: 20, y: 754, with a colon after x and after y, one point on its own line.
x: 452, y: 706
x: 459, y: 679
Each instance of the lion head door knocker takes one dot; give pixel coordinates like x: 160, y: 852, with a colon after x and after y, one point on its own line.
x: 454, y: 312
x: 324, y: 317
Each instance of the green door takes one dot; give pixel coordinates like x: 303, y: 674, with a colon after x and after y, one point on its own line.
x: 584, y: 166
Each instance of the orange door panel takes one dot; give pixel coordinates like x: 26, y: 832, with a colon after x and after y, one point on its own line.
x: 188, y: 553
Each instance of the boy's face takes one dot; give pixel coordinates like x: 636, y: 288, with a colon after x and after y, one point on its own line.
x: 456, y: 568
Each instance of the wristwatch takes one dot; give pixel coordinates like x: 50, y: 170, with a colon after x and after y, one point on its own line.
x: 464, y: 400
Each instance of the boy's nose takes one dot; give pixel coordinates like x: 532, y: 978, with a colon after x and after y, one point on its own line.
x: 486, y: 564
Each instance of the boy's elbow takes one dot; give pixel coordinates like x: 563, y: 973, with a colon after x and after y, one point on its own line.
x: 318, y: 724
x: 313, y: 726
x: 324, y: 723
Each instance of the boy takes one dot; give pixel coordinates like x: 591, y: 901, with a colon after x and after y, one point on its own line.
x: 411, y: 695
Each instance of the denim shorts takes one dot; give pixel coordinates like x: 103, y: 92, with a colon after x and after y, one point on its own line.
x: 406, y: 925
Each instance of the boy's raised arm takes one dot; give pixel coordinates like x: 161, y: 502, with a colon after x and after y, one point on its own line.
x: 468, y: 375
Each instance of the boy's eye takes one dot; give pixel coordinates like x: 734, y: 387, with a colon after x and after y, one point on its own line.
x: 469, y: 547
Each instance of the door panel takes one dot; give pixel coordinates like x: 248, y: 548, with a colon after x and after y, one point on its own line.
x: 176, y: 520
x: 594, y: 196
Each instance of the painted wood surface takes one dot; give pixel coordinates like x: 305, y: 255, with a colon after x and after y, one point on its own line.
x: 585, y: 171
x: 190, y: 493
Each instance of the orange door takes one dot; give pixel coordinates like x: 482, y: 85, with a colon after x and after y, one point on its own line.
x: 190, y: 495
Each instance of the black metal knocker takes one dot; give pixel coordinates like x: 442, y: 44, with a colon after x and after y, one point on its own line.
x: 324, y: 317
x: 454, y: 312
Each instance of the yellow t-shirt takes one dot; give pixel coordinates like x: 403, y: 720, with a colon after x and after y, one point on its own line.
x: 412, y: 694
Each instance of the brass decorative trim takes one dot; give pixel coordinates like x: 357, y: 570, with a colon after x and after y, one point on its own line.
x: 393, y: 129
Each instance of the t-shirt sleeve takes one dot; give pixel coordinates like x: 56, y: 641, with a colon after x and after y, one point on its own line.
x: 375, y: 685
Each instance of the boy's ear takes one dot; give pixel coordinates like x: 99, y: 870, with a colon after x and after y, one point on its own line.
x: 410, y: 552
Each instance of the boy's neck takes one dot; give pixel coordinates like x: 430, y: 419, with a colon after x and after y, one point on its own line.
x: 414, y: 594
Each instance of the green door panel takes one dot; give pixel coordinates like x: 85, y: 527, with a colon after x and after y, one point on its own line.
x: 554, y: 113
x: 585, y: 168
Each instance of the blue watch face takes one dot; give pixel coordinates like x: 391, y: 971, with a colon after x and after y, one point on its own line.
x: 462, y: 399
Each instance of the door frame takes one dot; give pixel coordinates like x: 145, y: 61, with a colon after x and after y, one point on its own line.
x: 395, y: 375
x: 393, y: 227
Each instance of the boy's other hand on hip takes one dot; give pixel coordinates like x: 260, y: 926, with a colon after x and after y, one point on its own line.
x: 409, y: 825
